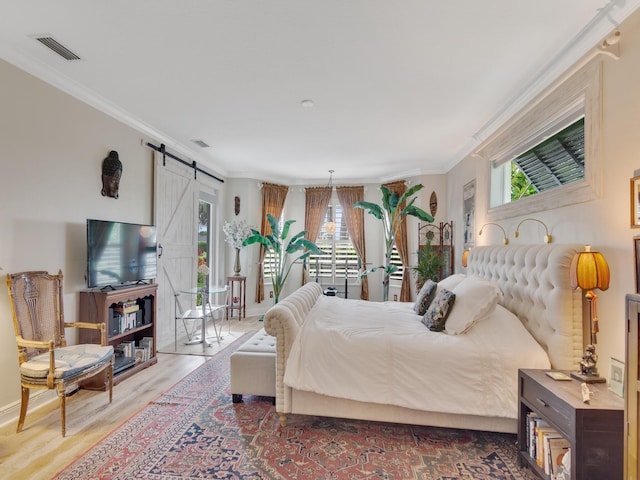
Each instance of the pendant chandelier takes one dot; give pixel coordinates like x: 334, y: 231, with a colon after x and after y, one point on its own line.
x: 330, y: 226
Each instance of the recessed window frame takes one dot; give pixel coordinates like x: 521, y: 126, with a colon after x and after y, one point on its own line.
x: 578, y: 94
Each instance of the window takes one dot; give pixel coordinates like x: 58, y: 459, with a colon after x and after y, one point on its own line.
x: 339, y: 258
x: 549, y: 155
x: 397, y: 261
x: 555, y: 161
x: 204, y: 236
x: 270, y: 258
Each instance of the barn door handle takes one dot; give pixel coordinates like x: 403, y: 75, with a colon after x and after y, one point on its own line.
x: 160, y: 249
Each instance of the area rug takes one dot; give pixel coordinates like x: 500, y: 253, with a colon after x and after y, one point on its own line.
x: 194, y: 431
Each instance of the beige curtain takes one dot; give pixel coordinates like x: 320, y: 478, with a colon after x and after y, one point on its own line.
x: 355, y: 226
x: 316, y: 202
x: 273, y: 197
x: 399, y: 187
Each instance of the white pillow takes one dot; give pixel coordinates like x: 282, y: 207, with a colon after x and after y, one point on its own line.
x: 475, y: 299
x: 450, y: 282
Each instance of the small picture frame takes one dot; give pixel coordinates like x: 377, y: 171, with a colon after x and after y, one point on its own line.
x: 616, y: 377
x: 635, y: 202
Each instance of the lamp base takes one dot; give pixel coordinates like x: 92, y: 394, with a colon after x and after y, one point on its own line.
x: 588, y: 378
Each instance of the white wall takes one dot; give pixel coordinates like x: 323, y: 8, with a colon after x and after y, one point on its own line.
x: 603, y: 223
x: 52, y: 152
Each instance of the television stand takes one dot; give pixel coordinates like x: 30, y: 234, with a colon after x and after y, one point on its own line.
x: 129, y: 314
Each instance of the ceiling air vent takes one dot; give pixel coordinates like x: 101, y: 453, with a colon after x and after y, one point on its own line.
x: 201, y: 143
x: 57, y: 47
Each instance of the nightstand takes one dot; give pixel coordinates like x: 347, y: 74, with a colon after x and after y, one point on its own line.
x: 594, y: 430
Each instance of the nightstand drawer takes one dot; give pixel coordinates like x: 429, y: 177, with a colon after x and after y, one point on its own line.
x: 548, y: 404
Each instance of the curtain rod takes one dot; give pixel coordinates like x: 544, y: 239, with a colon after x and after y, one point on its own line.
x: 162, y: 149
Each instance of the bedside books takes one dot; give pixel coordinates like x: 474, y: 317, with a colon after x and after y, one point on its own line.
x: 545, y: 444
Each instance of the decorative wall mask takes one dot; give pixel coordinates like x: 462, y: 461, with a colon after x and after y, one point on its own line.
x: 433, y: 204
x: 237, y: 205
x: 111, y: 173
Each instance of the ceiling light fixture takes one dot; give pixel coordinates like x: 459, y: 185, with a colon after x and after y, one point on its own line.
x: 330, y: 226
x: 307, y: 103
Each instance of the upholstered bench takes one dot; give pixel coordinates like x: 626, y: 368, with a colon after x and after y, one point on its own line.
x: 253, y: 367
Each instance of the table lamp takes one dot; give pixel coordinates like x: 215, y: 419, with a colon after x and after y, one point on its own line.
x: 589, y: 270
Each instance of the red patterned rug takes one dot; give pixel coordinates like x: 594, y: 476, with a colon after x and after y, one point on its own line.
x: 194, y: 431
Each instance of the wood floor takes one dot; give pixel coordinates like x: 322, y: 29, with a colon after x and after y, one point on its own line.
x: 39, y: 451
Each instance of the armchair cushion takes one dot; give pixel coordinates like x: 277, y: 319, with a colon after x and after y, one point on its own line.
x: 69, y: 361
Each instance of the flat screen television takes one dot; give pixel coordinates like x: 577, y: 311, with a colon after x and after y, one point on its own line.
x: 120, y: 253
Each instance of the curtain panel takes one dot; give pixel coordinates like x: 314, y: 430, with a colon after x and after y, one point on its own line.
x: 402, y: 245
x: 316, y: 202
x: 273, y: 197
x: 355, y: 226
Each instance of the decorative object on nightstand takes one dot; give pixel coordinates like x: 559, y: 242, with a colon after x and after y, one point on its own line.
x: 589, y: 270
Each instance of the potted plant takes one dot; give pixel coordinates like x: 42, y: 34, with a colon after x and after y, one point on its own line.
x: 429, y: 265
x: 284, y: 252
x: 392, y: 213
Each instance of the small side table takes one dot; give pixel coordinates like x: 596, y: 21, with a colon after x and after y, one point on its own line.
x: 237, y: 296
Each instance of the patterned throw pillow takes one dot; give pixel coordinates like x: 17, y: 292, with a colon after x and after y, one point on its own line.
x: 438, y: 311
x: 425, y: 297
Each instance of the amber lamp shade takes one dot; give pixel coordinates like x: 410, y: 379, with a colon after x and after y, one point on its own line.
x: 589, y: 270
x: 465, y: 258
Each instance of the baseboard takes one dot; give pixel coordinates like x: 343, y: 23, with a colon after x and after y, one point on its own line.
x: 10, y: 413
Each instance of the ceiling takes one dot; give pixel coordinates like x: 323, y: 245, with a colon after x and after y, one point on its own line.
x: 399, y: 88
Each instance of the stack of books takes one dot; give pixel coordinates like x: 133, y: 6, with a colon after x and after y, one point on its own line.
x: 126, y: 313
x: 545, y: 444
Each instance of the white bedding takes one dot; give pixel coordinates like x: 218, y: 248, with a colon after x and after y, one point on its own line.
x: 381, y: 353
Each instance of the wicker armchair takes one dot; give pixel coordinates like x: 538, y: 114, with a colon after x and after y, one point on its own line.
x: 46, y: 362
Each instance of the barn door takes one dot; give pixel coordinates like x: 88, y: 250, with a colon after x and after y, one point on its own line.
x: 177, y: 193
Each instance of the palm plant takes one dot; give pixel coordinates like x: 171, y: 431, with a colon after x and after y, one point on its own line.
x: 429, y: 265
x: 284, y: 252
x: 392, y: 213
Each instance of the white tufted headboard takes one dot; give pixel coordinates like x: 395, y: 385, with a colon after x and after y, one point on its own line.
x: 535, y: 282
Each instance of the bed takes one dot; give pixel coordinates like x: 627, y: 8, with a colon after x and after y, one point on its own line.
x: 377, y: 361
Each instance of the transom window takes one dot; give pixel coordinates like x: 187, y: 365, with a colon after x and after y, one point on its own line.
x: 554, y: 162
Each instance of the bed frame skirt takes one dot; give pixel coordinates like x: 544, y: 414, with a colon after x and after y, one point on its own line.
x: 535, y: 284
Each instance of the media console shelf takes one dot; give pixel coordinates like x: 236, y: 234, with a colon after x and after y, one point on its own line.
x: 129, y: 314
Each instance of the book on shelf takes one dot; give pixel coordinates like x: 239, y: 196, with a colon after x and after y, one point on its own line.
x: 548, y: 461
x: 127, y: 307
x: 545, y: 445
x: 540, y: 454
x: 141, y: 354
x: 147, y: 342
x: 558, y: 446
